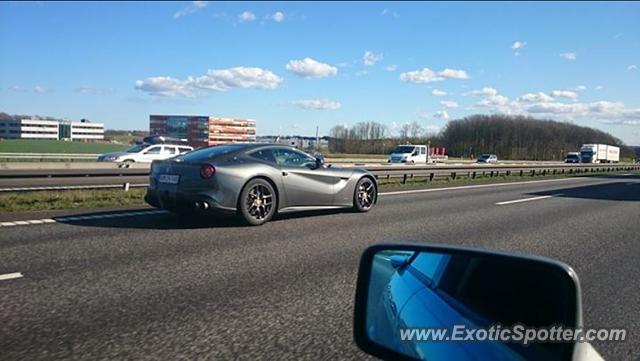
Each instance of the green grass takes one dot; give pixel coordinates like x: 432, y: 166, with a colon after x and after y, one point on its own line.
x: 73, y: 199
x: 56, y: 146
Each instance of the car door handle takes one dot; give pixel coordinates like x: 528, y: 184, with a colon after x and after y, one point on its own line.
x: 285, y: 173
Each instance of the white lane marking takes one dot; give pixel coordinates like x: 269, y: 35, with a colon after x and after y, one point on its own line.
x: 80, y: 218
x: 10, y: 276
x: 522, y: 200
x: 472, y: 186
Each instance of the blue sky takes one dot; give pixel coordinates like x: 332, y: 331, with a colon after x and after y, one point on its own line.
x: 295, y: 66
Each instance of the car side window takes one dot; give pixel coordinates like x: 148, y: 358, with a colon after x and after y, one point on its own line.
x: 169, y: 150
x: 154, y: 150
x: 183, y: 150
x: 292, y: 158
x: 264, y: 154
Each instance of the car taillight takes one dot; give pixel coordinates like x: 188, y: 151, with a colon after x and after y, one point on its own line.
x: 207, y: 170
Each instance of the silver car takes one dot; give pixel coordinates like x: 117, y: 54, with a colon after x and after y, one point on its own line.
x: 256, y: 181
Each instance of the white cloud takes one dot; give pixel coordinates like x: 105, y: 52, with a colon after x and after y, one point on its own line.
x: 599, y: 87
x: 238, y: 77
x: 361, y: 72
x: 518, y: 45
x: 580, y: 88
x: 41, y: 89
x: 219, y: 80
x: 441, y: 114
x: 438, y: 93
x: 426, y: 75
x: 632, y: 67
x: 318, y: 104
x: 484, y: 92
x: 391, y: 67
x: 195, y: 6
x: 538, y: 97
x: 568, y: 56
x: 164, y: 86
x: 370, y: 58
x: 386, y: 12
x: 17, y: 88
x: 448, y: 104
x: 247, y: 16
x: 278, y: 17
x: 454, y: 74
x: 91, y: 90
x: 493, y: 101
x: 310, y: 68
x: 564, y: 94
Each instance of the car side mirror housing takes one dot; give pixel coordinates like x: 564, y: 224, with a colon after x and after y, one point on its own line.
x: 406, y: 290
x: 319, y: 161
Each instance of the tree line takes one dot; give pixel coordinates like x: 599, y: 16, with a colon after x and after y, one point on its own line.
x: 509, y: 137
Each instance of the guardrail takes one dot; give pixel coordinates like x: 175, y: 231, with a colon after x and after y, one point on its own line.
x: 48, y: 156
x: 409, y: 173
x: 16, y: 180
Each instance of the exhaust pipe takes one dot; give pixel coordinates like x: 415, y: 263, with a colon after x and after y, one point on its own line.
x: 202, y: 205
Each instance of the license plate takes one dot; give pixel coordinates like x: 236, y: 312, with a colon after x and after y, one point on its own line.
x: 169, y: 178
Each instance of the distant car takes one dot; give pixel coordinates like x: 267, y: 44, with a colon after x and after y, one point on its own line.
x: 488, y: 158
x: 408, y: 154
x: 145, y: 153
x: 572, y: 157
x: 256, y: 181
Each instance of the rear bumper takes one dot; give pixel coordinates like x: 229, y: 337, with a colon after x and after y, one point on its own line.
x: 176, y: 201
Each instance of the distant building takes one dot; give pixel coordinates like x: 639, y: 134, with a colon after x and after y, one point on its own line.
x: 82, y: 130
x: 29, y: 129
x: 201, y: 130
x: 34, y: 128
x: 297, y: 141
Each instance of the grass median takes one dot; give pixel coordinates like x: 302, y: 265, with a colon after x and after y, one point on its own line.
x: 71, y: 199
x: 79, y: 199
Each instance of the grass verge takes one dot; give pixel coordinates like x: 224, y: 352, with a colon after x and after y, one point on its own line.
x: 72, y: 199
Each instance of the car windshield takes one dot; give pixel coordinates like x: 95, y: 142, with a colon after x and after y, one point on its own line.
x: 485, y: 156
x: 211, y: 152
x: 572, y: 156
x: 137, y: 148
x: 403, y: 149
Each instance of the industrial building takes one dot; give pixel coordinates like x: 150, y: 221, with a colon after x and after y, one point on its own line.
x: 201, y: 130
x: 34, y: 128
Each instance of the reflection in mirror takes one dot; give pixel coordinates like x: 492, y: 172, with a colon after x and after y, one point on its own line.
x: 411, y: 290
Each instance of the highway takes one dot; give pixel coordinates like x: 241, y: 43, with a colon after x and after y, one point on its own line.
x: 153, y: 286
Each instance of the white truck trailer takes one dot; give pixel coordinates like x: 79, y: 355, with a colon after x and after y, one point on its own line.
x: 599, y: 153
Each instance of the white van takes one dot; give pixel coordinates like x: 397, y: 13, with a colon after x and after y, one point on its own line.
x: 145, y: 153
x: 409, y: 154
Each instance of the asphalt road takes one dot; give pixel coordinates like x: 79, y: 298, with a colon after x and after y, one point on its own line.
x: 158, y: 287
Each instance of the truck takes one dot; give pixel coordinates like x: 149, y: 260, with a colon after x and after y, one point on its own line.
x: 599, y: 153
x: 417, y: 154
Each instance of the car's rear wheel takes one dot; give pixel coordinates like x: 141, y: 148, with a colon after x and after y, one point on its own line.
x: 365, y: 195
x: 258, y: 202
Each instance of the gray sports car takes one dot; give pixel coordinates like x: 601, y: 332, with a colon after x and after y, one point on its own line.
x: 255, y: 181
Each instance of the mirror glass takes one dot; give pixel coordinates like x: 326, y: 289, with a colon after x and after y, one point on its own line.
x: 413, y: 290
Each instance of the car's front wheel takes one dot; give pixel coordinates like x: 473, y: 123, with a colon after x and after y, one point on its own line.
x: 258, y: 202
x: 365, y: 195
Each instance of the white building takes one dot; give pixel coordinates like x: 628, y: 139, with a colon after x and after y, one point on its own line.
x: 82, y: 130
x: 51, y: 129
x: 29, y: 129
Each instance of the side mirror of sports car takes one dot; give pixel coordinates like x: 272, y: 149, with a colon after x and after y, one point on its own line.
x: 423, y: 302
x: 319, y: 161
